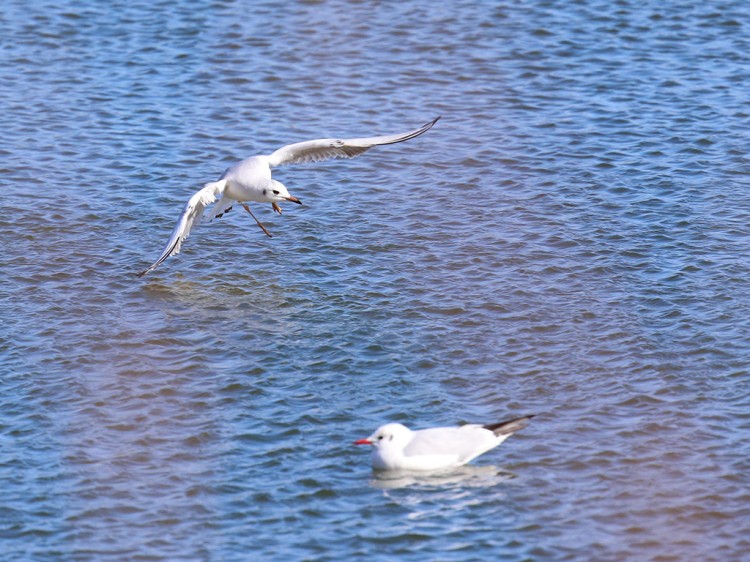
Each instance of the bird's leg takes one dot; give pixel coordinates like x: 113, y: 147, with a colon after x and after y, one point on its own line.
x: 263, y: 228
x: 276, y: 207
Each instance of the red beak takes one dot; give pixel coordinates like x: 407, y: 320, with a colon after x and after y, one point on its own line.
x: 363, y: 442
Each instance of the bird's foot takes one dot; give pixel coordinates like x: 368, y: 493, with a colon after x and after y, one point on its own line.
x: 276, y: 207
x: 222, y: 213
x: 263, y: 228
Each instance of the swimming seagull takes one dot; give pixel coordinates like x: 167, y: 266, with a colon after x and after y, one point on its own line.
x: 396, y: 447
x: 250, y: 180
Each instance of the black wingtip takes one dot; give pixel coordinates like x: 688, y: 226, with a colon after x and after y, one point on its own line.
x: 145, y: 271
x: 509, y: 426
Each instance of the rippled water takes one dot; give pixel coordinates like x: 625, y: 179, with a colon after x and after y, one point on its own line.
x: 571, y: 239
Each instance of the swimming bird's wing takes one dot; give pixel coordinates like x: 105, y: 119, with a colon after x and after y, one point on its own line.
x: 190, y: 217
x: 509, y: 427
x: 324, y: 149
x: 464, y: 443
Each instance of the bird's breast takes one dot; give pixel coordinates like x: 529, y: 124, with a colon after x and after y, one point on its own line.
x: 247, y: 180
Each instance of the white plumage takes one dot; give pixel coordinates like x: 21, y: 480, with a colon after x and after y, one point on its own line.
x: 396, y: 447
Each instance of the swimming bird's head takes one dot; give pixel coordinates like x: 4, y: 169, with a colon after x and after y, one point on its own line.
x: 390, y: 435
x: 277, y: 191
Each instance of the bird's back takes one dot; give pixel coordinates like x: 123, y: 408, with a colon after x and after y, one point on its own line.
x: 249, y: 170
x: 465, y: 442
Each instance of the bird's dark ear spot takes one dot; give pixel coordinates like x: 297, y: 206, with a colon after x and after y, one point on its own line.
x: 391, y: 438
x: 264, y: 191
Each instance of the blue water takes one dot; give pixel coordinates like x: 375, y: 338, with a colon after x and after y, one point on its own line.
x: 569, y: 240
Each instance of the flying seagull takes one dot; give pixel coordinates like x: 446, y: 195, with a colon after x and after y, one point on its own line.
x: 250, y: 180
x: 396, y: 447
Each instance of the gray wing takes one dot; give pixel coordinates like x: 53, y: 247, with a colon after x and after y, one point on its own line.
x: 465, y: 442
x: 190, y: 217
x: 325, y: 149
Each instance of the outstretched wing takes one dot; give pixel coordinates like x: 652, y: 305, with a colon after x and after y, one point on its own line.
x: 190, y: 217
x: 324, y: 149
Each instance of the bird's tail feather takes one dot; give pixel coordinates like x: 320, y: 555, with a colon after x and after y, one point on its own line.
x: 509, y: 427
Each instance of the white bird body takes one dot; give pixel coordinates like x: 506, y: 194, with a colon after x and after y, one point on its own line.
x: 247, y: 180
x: 250, y: 180
x: 396, y: 447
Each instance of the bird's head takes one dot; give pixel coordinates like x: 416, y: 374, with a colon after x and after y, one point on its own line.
x: 277, y: 191
x: 387, y: 436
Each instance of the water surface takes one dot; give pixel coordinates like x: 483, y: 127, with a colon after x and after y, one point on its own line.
x: 569, y: 240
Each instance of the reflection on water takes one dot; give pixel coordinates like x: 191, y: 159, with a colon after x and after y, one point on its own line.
x: 464, y: 476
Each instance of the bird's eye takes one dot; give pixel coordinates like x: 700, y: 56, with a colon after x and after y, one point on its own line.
x: 380, y: 437
x: 275, y: 191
